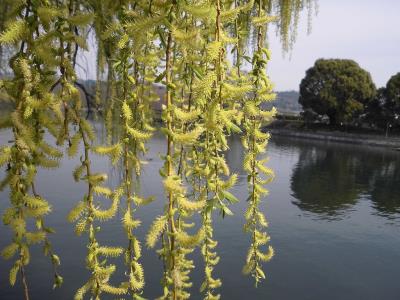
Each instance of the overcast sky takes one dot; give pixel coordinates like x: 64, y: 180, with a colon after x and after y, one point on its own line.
x: 363, y: 30
x: 366, y: 31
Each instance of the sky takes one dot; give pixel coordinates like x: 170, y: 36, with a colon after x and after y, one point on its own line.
x: 367, y: 31
x: 363, y: 30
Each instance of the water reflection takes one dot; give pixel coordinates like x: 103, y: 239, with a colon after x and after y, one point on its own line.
x: 385, y: 190
x: 330, y: 179
x: 361, y: 187
x: 323, y: 182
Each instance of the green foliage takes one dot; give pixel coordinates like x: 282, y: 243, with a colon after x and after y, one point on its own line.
x: 377, y: 111
x: 393, y: 90
x: 337, y: 88
x: 383, y: 110
x: 392, y: 99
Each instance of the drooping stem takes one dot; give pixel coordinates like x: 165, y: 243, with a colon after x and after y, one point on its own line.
x: 238, y: 53
x: 168, y: 77
x: 24, y: 283
x: 89, y: 203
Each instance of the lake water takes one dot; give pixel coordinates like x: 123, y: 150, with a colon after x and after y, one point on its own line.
x: 334, y: 213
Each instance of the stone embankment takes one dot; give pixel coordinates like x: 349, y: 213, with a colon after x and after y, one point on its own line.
x: 344, y: 137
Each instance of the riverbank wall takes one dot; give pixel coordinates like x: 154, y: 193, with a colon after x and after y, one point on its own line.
x: 342, y: 137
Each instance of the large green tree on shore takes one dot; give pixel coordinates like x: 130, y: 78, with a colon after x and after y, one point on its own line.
x: 337, y: 88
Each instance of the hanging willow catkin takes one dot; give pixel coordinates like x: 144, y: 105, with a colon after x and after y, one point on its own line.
x: 29, y: 91
x: 255, y: 142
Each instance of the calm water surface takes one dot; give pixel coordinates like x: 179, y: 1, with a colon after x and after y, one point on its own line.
x: 334, y: 213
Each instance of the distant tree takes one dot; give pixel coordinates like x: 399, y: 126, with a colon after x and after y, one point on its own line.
x: 392, y: 99
x: 337, y: 88
x: 384, y: 109
x: 376, y: 111
x: 309, y: 116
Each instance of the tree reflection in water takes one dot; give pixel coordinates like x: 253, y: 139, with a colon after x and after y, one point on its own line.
x: 330, y: 179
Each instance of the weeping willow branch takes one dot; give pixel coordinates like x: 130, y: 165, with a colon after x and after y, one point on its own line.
x: 208, y: 98
x: 171, y: 200
x: 255, y: 142
x: 86, y: 212
x: 136, y: 119
x: 29, y: 150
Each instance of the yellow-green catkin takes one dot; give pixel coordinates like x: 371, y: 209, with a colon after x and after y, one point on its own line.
x: 183, y: 46
x: 255, y: 142
x: 35, y: 113
x: 134, y: 103
x: 89, y: 212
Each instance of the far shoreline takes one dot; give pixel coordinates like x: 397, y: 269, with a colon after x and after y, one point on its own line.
x: 368, y: 139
